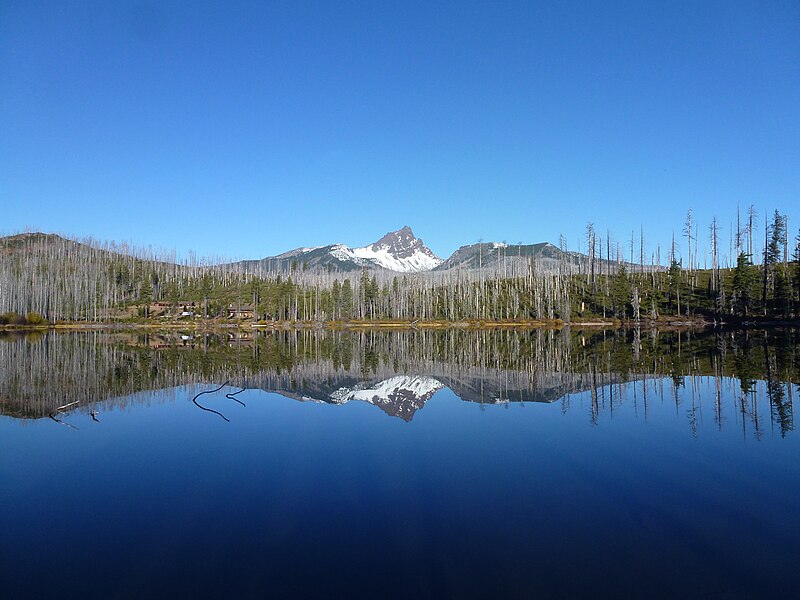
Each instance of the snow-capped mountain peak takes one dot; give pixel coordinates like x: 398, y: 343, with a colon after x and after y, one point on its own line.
x: 398, y: 251
x: 401, y: 251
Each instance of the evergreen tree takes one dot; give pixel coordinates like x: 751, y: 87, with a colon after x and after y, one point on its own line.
x: 346, y: 301
x: 621, y: 292
x: 674, y: 285
x: 145, y: 296
x: 744, y: 277
x: 776, y: 236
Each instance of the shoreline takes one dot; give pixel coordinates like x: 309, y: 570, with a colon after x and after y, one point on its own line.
x: 471, y: 325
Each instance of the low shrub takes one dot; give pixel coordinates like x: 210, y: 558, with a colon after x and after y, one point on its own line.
x: 12, y: 318
x: 35, y: 318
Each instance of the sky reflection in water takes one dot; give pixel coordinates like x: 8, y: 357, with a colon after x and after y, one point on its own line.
x: 668, y: 485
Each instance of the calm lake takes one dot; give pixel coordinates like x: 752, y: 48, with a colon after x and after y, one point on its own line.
x: 387, y: 464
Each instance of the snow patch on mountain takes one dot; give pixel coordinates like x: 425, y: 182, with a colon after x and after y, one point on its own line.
x: 343, y: 253
x: 382, y: 256
x: 297, y: 252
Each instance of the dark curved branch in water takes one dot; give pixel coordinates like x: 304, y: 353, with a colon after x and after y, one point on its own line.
x: 63, y: 410
x: 53, y: 414
x: 198, y: 405
x: 232, y: 394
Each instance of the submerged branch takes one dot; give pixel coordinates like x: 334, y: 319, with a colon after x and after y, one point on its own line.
x: 53, y: 414
x: 198, y: 405
x: 61, y: 409
x: 232, y: 394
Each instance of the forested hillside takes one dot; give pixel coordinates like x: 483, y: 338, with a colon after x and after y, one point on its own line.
x: 44, y: 277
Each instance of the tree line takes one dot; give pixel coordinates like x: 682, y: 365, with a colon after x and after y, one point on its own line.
x: 85, y: 280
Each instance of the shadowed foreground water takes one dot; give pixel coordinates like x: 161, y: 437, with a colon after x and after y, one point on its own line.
x: 460, y: 464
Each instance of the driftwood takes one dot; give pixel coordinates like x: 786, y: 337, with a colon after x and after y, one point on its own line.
x: 200, y: 406
x: 232, y: 394
x: 61, y: 410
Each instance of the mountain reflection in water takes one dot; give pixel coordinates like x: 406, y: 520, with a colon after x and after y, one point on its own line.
x: 752, y: 374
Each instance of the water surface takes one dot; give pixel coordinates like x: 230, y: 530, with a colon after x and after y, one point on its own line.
x: 433, y: 464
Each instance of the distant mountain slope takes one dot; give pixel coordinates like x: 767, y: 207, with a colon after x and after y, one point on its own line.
x: 333, y: 257
x: 490, y: 254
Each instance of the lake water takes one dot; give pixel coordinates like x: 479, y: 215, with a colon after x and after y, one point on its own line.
x: 413, y: 464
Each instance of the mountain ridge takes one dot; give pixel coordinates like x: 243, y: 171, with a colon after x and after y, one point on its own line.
x: 401, y: 251
x: 398, y: 251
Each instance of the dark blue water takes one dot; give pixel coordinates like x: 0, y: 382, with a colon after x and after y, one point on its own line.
x: 639, y: 499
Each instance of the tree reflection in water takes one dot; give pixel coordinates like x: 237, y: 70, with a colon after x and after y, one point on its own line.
x: 399, y: 371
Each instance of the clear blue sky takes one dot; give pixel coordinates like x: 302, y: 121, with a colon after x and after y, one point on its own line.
x: 246, y: 129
